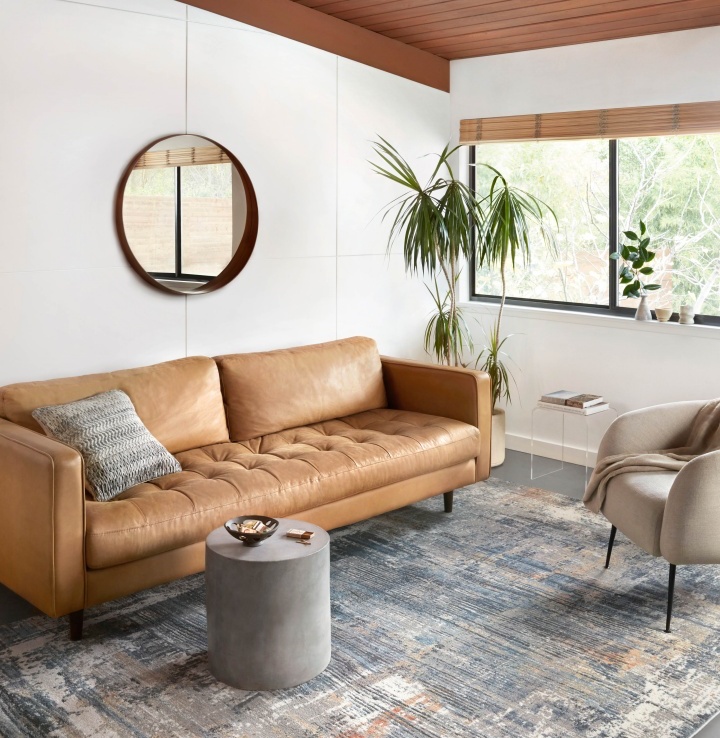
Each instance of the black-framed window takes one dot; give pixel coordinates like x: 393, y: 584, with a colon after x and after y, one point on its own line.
x: 599, y: 189
x: 182, y: 220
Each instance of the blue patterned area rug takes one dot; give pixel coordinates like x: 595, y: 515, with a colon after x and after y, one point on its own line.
x: 496, y: 621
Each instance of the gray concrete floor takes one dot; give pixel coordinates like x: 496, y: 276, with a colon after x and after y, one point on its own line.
x: 516, y: 469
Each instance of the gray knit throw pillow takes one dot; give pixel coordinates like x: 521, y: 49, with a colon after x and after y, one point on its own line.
x: 118, y: 450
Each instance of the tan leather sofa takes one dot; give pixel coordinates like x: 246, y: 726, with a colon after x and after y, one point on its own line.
x: 331, y: 434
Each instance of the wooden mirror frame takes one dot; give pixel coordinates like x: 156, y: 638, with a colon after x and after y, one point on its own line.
x: 244, y: 249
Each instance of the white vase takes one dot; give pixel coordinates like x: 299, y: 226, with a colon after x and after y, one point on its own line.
x: 497, y: 447
x: 687, y: 314
x: 643, y: 310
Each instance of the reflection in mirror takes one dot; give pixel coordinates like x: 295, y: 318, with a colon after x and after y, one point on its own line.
x: 185, y: 212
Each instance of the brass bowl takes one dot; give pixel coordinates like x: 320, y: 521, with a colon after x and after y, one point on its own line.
x: 251, y: 539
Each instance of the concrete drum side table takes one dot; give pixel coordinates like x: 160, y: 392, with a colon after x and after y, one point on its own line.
x: 268, y: 608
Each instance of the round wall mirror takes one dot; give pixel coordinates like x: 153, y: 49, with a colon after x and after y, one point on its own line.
x: 186, y: 215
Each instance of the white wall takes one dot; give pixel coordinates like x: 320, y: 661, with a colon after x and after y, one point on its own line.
x: 86, y: 84
x: 648, y: 70
x: 632, y: 365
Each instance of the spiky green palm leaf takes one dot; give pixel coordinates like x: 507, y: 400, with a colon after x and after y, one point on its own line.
x: 434, y: 220
x: 446, y: 334
x: 510, y: 216
x: 491, y: 360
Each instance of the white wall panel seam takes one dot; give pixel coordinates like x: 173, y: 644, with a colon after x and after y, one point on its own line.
x: 337, y: 187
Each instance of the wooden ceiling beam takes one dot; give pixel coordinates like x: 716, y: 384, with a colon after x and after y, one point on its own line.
x: 300, y: 23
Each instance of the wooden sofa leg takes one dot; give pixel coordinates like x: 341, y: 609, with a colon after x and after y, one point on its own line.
x: 76, y: 625
x: 448, y: 499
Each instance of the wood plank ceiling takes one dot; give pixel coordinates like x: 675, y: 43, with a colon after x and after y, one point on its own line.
x: 457, y: 29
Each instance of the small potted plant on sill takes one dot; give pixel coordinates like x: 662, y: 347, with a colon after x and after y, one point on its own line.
x: 635, y: 257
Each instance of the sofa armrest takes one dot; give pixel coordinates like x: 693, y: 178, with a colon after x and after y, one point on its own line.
x: 42, y: 525
x: 449, y: 392
x: 649, y: 429
x: 691, y: 521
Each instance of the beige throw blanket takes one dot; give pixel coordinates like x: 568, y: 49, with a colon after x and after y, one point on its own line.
x: 704, y: 437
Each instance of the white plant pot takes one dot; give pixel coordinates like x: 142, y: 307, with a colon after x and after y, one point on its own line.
x: 497, y: 449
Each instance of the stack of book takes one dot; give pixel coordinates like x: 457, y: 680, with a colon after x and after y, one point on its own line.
x: 573, y: 402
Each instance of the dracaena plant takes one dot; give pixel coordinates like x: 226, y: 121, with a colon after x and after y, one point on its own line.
x: 435, y: 221
x: 493, y: 360
x: 510, y: 215
x: 634, y: 268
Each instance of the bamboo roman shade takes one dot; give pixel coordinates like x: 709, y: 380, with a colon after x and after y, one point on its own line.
x: 653, y: 120
x: 193, y: 156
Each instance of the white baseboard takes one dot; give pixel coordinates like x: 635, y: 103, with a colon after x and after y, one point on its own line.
x: 571, y: 454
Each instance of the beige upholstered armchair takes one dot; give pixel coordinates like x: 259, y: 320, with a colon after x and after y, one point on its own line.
x: 671, y: 514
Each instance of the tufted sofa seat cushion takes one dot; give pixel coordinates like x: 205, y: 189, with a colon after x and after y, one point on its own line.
x: 281, y: 474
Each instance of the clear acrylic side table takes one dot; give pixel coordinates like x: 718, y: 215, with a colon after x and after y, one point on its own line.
x: 564, y: 414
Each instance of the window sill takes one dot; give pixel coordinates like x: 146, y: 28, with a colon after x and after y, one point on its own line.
x: 617, y: 322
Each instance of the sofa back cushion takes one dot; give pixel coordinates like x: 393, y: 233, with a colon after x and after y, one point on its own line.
x: 179, y: 402
x: 271, y: 391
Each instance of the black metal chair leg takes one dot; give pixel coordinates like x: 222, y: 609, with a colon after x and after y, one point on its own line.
x: 671, y: 592
x: 613, y: 531
x: 448, y: 500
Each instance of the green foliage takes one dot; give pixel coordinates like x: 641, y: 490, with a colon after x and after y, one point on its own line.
x: 490, y: 361
x: 446, y: 331
x: 573, y: 177
x: 435, y: 221
x: 503, y: 240
x: 671, y: 182
x: 509, y: 215
x: 635, y: 256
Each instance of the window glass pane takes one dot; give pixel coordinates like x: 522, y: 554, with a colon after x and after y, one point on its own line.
x: 572, y: 177
x: 207, y: 219
x: 673, y: 184
x: 149, y: 218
